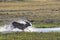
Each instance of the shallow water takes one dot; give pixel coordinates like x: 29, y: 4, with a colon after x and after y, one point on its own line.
x: 46, y: 30
x: 9, y: 29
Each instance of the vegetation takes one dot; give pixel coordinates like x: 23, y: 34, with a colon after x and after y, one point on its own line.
x: 44, y: 14
x: 39, y: 25
x: 47, y: 14
x: 30, y: 36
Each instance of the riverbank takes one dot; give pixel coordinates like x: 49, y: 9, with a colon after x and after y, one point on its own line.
x: 30, y: 36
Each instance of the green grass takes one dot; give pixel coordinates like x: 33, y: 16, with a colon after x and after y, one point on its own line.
x: 38, y: 25
x: 30, y: 36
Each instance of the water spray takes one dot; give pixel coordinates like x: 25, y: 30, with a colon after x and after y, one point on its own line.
x: 26, y: 26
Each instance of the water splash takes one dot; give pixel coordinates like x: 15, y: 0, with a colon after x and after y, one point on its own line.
x: 10, y: 28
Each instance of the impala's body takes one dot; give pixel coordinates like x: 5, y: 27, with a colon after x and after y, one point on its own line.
x: 21, y: 25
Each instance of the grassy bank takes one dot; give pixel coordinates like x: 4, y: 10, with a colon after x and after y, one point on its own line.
x: 39, y: 25
x: 30, y: 36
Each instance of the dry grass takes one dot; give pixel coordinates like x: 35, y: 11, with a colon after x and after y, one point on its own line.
x: 30, y: 10
x: 28, y: 5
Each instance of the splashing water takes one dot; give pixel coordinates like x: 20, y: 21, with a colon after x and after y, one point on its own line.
x: 10, y: 28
